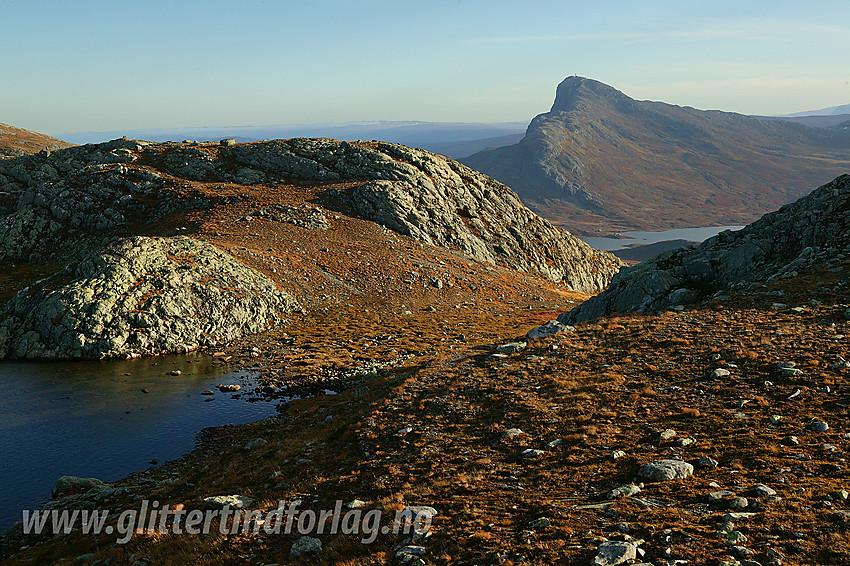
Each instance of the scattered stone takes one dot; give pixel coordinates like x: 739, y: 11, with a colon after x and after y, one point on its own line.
x: 229, y: 387
x: 737, y: 516
x: 612, y: 553
x: 739, y: 503
x: 175, y: 372
x: 720, y: 373
x: 512, y: 432
x: 627, y: 490
x: 666, y: 434
x: 720, y: 495
x: 255, y: 443
x: 228, y: 142
x: 411, y: 550
x: 208, y: 392
x: 305, y: 545
x: 530, y: 453
x: 707, y: 462
x: 664, y: 470
x: 234, y: 501
x: 762, y: 490
x: 818, y: 426
x: 549, y: 329
x: 733, y: 536
x: 511, y: 347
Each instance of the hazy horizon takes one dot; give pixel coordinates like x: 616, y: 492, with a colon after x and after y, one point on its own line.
x: 96, y: 66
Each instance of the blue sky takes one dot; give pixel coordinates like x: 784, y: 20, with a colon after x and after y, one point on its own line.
x: 96, y: 65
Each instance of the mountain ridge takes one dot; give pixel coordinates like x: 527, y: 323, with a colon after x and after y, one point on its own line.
x: 602, y: 160
x: 16, y: 141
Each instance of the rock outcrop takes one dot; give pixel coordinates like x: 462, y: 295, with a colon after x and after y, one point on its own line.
x: 599, y: 158
x: 437, y: 201
x: 122, y: 295
x: 814, y: 231
x: 56, y: 206
x: 141, y: 296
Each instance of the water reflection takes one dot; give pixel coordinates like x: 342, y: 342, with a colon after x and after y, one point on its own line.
x: 105, y: 419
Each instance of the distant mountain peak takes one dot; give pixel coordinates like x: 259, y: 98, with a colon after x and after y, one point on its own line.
x: 831, y: 111
x: 575, y: 88
x: 600, y: 160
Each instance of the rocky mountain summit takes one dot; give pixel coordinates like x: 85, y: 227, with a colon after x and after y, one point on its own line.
x: 106, y: 215
x: 601, y: 158
x: 812, y: 232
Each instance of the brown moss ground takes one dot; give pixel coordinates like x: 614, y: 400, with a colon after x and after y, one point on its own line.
x: 612, y: 385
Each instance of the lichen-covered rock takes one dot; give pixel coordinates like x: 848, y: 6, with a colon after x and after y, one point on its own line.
x: 68, y: 484
x: 305, y: 545
x: 811, y: 231
x: 141, y: 295
x: 613, y: 553
x: 59, y: 205
x: 234, y: 501
x: 438, y: 201
x: 665, y: 470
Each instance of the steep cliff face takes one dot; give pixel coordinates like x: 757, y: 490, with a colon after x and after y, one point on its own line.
x: 599, y: 159
x: 814, y: 231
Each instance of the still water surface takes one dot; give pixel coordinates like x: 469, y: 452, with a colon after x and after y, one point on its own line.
x: 90, y: 419
x: 639, y: 238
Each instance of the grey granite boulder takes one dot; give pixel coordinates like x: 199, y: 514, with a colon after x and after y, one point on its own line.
x: 665, y: 470
x: 141, y: 296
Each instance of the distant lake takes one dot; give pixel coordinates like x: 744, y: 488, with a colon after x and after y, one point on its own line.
x: 89, y: 419
x: 639, y: 238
